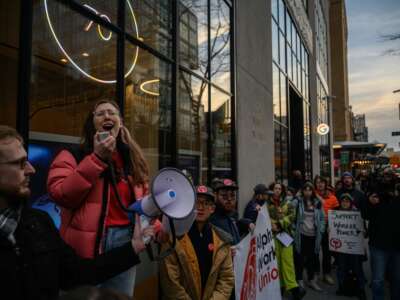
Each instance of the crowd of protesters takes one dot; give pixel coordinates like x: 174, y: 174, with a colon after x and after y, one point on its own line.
x: 99, y: 242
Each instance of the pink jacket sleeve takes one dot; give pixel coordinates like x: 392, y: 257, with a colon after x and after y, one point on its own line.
x: 69, y: 183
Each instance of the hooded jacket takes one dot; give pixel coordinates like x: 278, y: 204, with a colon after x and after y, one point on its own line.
x: 180, y: 272
x: 319, y: 222
x: 83, y: 192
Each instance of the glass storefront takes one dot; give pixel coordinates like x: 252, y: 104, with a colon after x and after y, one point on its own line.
x: 176, y: 87
x: 290, y: 72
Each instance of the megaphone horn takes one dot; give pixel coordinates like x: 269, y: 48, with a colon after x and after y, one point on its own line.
x: 171, y: 194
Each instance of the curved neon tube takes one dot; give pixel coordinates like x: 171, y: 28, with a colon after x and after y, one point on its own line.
x: 76, y: 65
x: 147, y: 91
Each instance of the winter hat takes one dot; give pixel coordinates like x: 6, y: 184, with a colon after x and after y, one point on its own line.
x: 346, y: 196
x: 347, y: 174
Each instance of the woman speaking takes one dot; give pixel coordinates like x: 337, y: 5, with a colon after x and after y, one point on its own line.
x: 93, y: 184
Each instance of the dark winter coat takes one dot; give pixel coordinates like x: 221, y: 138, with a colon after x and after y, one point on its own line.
x: 41, y: 263
x: 384, y: 226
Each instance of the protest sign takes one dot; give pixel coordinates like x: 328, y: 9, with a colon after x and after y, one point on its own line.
x: 346, y: 232
x: 255, y: 263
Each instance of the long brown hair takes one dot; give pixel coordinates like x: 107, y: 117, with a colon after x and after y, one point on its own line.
x: 138, y: 167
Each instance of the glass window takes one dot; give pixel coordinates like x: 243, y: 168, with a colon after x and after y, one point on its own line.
x: 284, y: 116
x: 221, y: 131
x: 151, y: 22
x: 275, y: 42
x: 220, y: 44
x: 9, y: 46
x: 192, y: 123
x: 282, y: 12
x: 147, y: 112
x: 194, y: 36
x: 282, y: 48
x: 274, y: 8
x: 288, y: 28
x: 71, y: 70
x: 276, y: 87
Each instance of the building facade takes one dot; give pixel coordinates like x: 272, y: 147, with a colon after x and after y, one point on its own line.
x: 341, y: 109
x: 360, y: 130
x: 216, y: 87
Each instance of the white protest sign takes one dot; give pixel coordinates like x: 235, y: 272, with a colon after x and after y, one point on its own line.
x: 346, y: 232
x: 255, y: 264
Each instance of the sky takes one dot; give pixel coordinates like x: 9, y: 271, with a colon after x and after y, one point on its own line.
x: 374, y: 75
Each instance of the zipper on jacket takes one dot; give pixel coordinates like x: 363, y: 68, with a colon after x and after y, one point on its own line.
x: 104, y: 203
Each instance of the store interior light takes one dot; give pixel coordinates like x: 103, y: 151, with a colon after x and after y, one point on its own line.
x: 75, y: 64
x: 64, y: 60
x: 337, y: 146
x: 145, y: 90
x: 85, y: 54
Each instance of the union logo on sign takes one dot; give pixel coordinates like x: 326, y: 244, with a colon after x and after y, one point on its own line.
x: 336, y: 243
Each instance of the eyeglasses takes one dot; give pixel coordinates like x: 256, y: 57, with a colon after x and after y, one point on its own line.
x: 22, y: 163
x: 102, y: 113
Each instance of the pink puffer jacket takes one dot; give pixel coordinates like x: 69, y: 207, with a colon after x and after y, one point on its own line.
x: 78, y: 189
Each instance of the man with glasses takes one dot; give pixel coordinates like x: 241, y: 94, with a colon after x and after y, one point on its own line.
x: 226, y: 215
x: 201, y: 266
x: 34, y: 261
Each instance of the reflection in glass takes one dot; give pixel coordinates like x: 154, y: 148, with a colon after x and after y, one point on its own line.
x: 275, y: 91
x: 153, y: 23
x: 275, y: 42
x: 221, y: 133
x: 61, y: 94
x: 148, y: 109
x: 220, y: 44
x: 192, y: 123
x: 9, y: 46
x: 194, y: 35
x: 284, y: 116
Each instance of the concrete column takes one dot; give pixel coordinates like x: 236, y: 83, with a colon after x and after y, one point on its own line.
x: 255, y: 142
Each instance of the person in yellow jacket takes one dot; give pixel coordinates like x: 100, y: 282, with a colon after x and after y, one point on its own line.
x: 201, y: 267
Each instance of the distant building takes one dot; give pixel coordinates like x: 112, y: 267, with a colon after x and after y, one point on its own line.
x: 341, y: 110
x: 360, y: 130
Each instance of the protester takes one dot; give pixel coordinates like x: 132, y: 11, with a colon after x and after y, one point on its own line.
x: 310, y: 226
x: 201, y: 266
x: 226, y: 216
x: 363, y: 181
x: 329, y: 202
x: 261, y: 195
x: 282, y: 216
x: 348, y: 186
x: 296, y: 181
x: 349, y: 266
x: 83, y: 185
x: 34, y: 261
x: 382, y: 212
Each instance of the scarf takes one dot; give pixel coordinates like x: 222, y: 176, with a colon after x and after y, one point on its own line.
x: 9, y: 219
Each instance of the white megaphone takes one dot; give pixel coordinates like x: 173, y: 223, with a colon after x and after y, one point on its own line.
x: 171, y: 194
x: 182, y: 226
